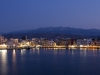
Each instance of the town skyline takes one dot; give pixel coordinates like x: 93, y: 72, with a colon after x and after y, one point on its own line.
x: 25, y: 43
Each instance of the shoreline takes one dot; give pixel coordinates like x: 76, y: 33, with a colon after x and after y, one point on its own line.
x: 60, y: 47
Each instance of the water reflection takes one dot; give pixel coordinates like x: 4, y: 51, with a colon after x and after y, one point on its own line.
x: 3, y: 62
x: 14, y: 56
x: 30, y: 60
x: 83, y: 48
x: 55, y: 52
x: 38, y: 50
x: 94, y: 52
x: 83, y: 52
x: 35, y: 50
x: 23, y: 51
x: 72, y: 52
x: 14, y: 61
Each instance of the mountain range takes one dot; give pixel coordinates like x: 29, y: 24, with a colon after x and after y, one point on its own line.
x: 53, y: 32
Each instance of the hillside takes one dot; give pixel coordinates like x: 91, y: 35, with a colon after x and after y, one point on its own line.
x: 53, y: 32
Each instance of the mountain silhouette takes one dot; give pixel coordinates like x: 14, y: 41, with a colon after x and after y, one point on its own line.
x: 53, y: 32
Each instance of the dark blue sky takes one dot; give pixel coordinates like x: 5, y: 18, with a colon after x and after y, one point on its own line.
x: 30, y: 14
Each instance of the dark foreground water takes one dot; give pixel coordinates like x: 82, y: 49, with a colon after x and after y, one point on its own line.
x: 49, y: 62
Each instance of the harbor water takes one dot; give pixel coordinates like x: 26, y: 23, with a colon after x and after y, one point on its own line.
x: 50, y: 62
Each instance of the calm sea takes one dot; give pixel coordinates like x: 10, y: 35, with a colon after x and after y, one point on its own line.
x: 50, y: 62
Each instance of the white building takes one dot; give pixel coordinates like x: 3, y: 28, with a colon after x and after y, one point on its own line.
x: 24, y: 43
x: 1, y: 39
x: 83, y: 42
x: 10, y: 44
x: 3, y: 46
x: 51, y: 43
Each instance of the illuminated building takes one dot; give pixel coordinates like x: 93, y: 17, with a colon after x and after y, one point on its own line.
x: 84, y: 42
x: 1, y: 39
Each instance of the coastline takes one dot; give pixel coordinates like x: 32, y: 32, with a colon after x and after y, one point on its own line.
x: 52, y: 47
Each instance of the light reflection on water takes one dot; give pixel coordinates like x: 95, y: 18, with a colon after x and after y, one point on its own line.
x: 23, y: 51
x: 14, y: 56
x: 55, y: 52
x: 14, y: 66
x: 61, y: 60
x: 3, y: 62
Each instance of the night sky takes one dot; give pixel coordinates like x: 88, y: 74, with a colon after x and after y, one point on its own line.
x: 31, y: 14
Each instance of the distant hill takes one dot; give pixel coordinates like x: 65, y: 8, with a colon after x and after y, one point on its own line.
x: 53, y: 32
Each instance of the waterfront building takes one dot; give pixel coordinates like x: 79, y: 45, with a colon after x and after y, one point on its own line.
x: 24, y: 43
x: 1, y: 39
x: 51, y: 43
x: 14, y: 40
x: 10, y: 44
x: 95, y: 42
x: 3, y: 46
x: 84, y: 42
x: 61, y: 41
x: 70, y: 41
x: 35, y: 41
